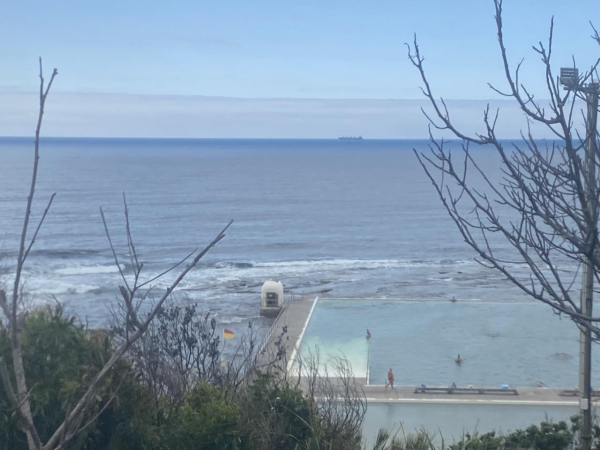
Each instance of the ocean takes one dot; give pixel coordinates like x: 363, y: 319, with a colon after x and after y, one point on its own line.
x: 352, y: 219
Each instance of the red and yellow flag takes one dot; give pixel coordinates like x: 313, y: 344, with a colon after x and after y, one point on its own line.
x: 227, y: 334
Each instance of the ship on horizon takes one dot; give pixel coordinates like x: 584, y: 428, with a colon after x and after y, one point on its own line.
x: 351, y: 138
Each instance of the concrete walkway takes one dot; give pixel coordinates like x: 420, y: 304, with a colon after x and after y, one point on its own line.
x: 527, y: 396
x: 294, y: 318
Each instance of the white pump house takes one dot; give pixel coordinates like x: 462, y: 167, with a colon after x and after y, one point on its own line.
x: 271, y: 298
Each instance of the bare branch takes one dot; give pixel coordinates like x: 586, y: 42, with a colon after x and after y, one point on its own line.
x: 86, y: 400
x: 18, y: 405
x: 39, y: 226
x: 14, y: 320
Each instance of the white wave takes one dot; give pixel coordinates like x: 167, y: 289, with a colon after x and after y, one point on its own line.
x: 210, y: 281
x: 87, y: 269
x: 286, y: 269
x: 232, y: 319
x: 58, y: 287
x: 226, y: 279
x: 358, y: 263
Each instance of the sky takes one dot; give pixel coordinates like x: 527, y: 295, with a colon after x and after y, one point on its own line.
x: 196, y: 55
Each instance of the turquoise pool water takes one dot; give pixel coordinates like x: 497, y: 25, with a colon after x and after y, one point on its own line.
x: 501, y: 342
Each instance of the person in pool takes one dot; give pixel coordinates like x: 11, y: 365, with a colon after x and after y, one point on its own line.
x: 458, y: 360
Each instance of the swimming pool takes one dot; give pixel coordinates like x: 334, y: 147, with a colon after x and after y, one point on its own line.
x: 451, y: 421
x: 514, y: 343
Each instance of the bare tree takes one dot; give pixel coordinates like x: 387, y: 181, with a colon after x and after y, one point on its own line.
x: 182, y: 346
x: 337, y: 399
x: 548, y: 222
x: 542, y: 213
x: 246, y: 360
x: 134, y: 292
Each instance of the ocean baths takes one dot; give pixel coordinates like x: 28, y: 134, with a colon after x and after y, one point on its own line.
x: 503, y: 343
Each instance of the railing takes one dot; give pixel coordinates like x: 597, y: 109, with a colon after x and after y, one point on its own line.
x: 291, y: 298
x: 575, y: 393
x: 269, y: 334
x: 475, y: 391
x: 368, y: 361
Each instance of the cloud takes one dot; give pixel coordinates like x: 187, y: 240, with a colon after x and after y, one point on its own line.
x: 124, y: 115
x: 10, y: 88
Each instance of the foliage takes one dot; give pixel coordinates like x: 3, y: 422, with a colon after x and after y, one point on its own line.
x: 269, y: 412
x: 337, y: 401
x: 550, y: 436
x: 546, y: 436
x: 419, y: 441
x: 59, y: 357
x: 265, y: 412
x: 179, y: 348
x: 279, y: 415
x: 206, y: 420
x: 129, y: 422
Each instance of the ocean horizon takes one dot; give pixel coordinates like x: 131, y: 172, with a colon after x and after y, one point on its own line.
x: 359, y: 218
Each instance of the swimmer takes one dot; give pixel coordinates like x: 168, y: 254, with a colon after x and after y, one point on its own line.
x: 458, y: 360
x: 453, y: 299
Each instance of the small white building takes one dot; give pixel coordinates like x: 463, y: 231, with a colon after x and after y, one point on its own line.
x: 271, y: 296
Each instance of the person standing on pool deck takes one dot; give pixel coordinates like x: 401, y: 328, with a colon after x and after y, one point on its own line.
x: 390, y: 378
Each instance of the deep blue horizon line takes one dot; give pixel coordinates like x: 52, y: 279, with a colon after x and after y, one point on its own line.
x: 44, y: 138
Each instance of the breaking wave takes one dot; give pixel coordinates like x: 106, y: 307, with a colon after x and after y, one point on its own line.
x: 233, y: 265
x: 46, y: 286
x: 87, y: 269
x: 341, y: 264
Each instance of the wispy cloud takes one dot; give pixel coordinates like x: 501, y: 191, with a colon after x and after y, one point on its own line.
x: 10, y: 88
x: 124, y: 115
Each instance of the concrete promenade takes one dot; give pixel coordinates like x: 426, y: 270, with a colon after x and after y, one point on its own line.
x: 294, y: 318
x: 527, y: 396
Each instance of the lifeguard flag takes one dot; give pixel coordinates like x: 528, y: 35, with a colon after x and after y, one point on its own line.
x: 227, y: 334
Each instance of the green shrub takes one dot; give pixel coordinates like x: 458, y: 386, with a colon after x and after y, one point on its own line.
x: 277, y: 416
x: 205, y: 420
x: 60, y: 357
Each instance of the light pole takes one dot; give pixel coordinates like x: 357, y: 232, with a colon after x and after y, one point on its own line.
x: 569, y: 77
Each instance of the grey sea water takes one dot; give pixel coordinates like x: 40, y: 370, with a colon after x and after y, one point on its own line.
x: 340, y: 218
x: 352, y: 219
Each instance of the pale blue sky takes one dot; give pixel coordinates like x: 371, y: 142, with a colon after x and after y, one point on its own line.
x: 266, y: 48
x: 260, y: 48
